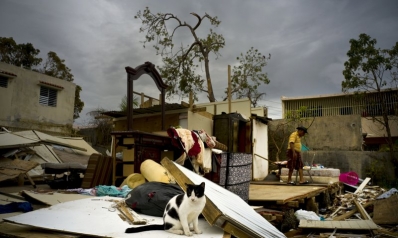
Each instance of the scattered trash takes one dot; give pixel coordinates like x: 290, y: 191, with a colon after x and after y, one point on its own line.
x: 306, y: 215
x: 349, y: 178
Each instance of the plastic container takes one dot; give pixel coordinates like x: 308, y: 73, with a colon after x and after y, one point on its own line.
x: 349, y: 178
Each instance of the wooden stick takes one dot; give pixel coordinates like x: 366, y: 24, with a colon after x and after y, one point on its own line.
x: 337, y: 210
x: 362, y: 211
x: 363, y: 184
x: 132, y: 216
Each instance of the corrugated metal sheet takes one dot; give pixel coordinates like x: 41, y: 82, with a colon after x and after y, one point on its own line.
x: 235, y: 210
x: 80, y: 142
x: 8, y: 140
x: 44, y: 138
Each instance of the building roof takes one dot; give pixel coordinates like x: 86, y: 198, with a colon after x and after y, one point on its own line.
x: 51, y: 85
x: 7, y: 74
x: 283, y: 98
x: 150, y: 110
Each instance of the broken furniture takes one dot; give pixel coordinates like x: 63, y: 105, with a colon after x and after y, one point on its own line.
x: 140, y: 146
x: 10, y: 169
x: 96, y: 172
x: 145, y: 145
x: 231, y: 130
x: 70, y: 174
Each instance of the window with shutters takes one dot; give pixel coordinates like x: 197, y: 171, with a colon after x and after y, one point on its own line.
x: 3, y: 82
x: 48, y: 96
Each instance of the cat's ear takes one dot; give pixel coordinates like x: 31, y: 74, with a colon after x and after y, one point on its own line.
x: 202, y: 184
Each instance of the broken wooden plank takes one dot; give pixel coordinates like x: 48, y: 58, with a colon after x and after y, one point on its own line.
x: 363, y: 184
x: 362, y: 211
x: 347, y: 225
x: 130, y: 215
x: 235, y: 231
x: 340, y: 235
x: 282, y: 193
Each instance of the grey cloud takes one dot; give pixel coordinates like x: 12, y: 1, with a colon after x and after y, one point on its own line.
x: 308, y: 41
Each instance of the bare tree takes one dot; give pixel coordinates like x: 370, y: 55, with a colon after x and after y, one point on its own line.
x: 180, y: 67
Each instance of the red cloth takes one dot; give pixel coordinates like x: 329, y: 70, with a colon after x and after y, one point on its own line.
x: 195, y: 150
x: 175, y: 141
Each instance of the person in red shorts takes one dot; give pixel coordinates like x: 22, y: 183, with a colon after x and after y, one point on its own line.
x: 294, y: 154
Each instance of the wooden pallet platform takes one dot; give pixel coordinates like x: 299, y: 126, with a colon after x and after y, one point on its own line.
x: 282, y: 194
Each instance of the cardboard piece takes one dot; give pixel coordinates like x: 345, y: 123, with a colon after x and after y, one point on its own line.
x: 385, y: 210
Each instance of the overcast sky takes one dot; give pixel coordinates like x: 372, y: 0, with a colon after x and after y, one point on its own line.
x: 307, y: 39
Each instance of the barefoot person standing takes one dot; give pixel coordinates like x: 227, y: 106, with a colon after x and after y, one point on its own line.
x: 294, y: 154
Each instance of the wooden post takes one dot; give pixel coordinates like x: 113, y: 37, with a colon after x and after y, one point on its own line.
x: 229, y: 88
x: 163, y: 105
x: 130, y: 89
x: 113, y: 154
x: 190, y: 101
x: 142, y: 99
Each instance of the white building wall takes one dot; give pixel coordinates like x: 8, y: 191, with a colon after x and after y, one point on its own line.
x: 20, y: 107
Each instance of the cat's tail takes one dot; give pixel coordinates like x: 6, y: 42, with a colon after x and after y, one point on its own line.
x: 144, y: 228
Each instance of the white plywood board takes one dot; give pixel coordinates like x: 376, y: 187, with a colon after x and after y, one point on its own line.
x: 91, y: 216
x: 235, y: 210
x: 260, y: 148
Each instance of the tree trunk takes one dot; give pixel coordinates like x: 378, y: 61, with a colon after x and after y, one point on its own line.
x: 209, y: 84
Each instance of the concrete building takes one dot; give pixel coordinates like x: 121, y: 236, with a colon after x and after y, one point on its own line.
x: 342, y: 132
x: 349, y: 111
x: 32, y: 100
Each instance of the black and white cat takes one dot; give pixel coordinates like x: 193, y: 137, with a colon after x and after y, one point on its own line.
x: 180, y: 212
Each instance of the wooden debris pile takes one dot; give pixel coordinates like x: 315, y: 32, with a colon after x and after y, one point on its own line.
x: 346, y: 204
x: 358, y: 214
